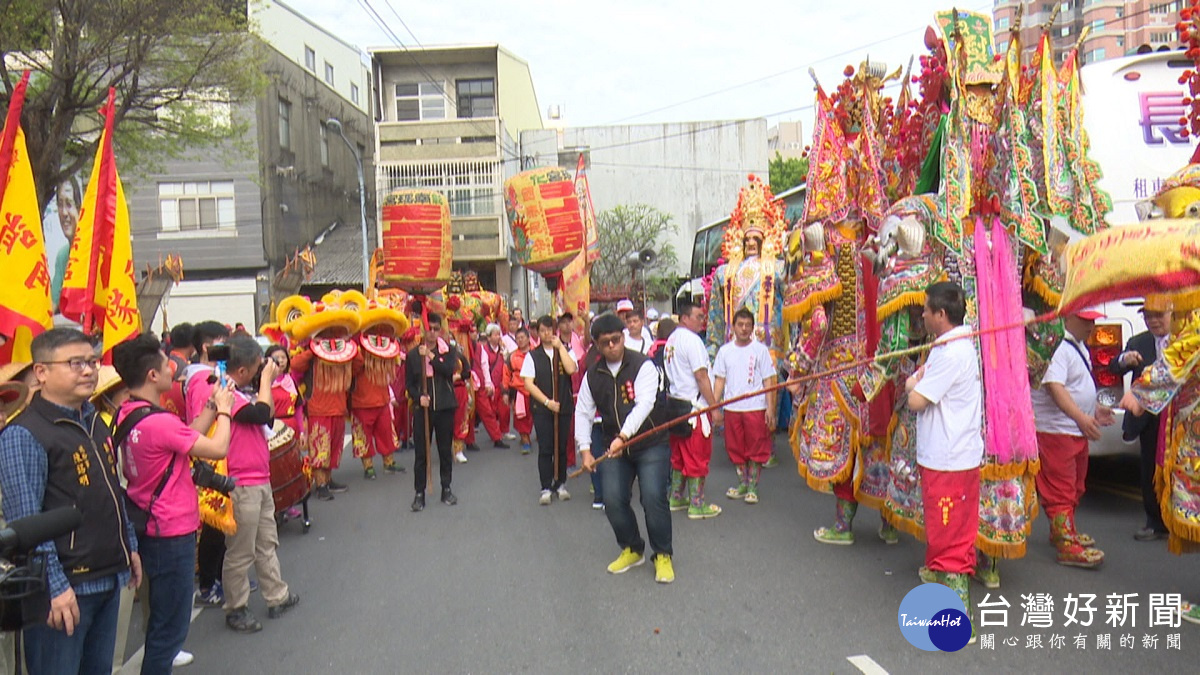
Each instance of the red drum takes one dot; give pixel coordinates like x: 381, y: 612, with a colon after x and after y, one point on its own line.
x: 289, y: 485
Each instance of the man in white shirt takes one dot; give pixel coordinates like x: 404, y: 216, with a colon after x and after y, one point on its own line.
x: 947, y: 395
x: 621, y: 387
x: 637, y: 335
x: 686, y: 363
x: 744, y: 365
x: 1067, y: 417
x: 547, y: 374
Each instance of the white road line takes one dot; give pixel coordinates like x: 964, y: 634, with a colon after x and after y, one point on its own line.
x: 134, y: 664
x: 866, y: 664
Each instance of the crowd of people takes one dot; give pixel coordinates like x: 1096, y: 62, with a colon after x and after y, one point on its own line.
x: 129, y: 445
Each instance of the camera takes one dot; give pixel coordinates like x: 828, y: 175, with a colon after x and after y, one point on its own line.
x: 205, y: 476
x: 218, y: 353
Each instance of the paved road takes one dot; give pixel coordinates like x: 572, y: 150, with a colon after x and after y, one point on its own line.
x: 498, y: 584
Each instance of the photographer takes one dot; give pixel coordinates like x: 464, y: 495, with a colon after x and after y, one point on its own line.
x: 253, y: 506
x: 155, y: 461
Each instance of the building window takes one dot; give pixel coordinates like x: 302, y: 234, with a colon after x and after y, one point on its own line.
x: 476, y: 98
x: 310, y: 58
x: 1002, y: 48
x: 1095, y: 55
x: 328, y: 73
x: 1164, y: 8
x: 324, y: 145
x: 473, y: 188
x: 354, y: 93
x: 1002, y: 23
x: 1120, y: 12
x: 202, y: 205
x: 1064, y: 31
x: 285, y: 124
x: 1098, y: 24
x: 1160, y: 37
x: 1120, y: 40
x: 420, y: 101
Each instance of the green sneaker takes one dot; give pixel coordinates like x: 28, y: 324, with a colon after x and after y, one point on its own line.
x: 751, y: 497
x: 369, y: 473
x: 678, y: 504
x: 738, y: 492
x: 664, y: 571
x: 703, y: 511
x: 889, y: 534
x: 626, y: 560
x: 772, y: 463
x: 828, y: 535
x: 1189, y: 612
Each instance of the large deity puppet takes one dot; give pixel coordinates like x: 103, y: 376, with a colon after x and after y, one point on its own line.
x: 753, y: 275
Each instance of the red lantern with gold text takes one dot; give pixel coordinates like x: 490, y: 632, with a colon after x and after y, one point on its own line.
x: 416, y: 240
x: 547, y: 228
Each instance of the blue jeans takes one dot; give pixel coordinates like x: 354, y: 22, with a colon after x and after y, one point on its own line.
x: 597, y: 450
x: 89, y: 651
x: 168, y: 565
x: 652, y: 468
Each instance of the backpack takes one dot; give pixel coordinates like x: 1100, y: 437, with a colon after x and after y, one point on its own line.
x: 139, y: 517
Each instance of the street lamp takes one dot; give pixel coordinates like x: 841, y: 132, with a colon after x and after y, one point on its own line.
x: 336, y: 124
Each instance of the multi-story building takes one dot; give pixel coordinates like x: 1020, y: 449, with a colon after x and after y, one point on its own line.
x: 235, y: 214
x: 1116, y: 27
x: 787, y: 139
x: 449, y: 118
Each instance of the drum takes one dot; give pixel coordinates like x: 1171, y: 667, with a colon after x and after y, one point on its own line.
x: 289, y: 485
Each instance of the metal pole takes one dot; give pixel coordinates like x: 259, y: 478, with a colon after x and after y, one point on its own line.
x: 362, y: 202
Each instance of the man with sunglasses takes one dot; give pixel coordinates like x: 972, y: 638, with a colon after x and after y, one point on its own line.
x: 57, y: 453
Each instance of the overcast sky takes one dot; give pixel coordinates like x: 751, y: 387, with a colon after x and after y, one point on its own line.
x: 620, y: 61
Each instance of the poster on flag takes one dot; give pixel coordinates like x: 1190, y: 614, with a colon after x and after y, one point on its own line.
x: 59, y: 220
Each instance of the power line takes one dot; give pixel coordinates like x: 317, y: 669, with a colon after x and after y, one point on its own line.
x: 778, y: 74
x: 402, y: 23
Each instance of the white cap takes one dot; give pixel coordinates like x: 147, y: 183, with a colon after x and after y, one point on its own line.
x: 651, y: 314
x: 624, y: 305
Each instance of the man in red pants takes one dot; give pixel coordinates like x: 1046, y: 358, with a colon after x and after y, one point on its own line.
x: 686, y: 362
x: 745, y: 365
x: 947, y: 395
x: 1067, y: 417
x: 522, y: 410
x: 492, y: 400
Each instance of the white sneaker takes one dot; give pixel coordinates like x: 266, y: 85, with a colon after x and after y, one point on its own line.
x: 510, y: 436
x: 460, y: 458
x: 182, y: 659
x: 562, y: 493
x: 544, y: 500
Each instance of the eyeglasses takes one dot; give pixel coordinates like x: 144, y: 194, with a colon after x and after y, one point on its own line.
x: 610, y: 342
x: 77, y: 364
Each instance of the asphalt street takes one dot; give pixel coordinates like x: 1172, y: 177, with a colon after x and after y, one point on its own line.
x: 499, y: 584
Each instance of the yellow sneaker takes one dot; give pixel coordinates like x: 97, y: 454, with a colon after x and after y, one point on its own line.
x: 664, y: 571
x: 626, y: 560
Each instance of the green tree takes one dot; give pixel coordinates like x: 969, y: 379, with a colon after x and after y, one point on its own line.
x: 624, y: 229
x: 178, y: 66
x: 786, y: 174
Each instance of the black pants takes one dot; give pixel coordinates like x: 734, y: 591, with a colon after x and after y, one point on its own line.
x: 442, y: 422
x: 210, y: 556
x: 543, y: 424
x: 1148, y: 440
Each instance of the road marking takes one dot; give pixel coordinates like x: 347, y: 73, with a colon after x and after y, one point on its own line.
x: 134, y: 664
x: 866, y: 664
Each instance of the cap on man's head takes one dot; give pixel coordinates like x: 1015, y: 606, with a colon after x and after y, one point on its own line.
x: 652, y: 314
x: 624, y: 305
x: 1090, y: 314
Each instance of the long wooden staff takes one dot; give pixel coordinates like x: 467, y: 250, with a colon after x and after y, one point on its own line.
x: 554, y: 397
x: 425, y: 393
x: 900, y: 353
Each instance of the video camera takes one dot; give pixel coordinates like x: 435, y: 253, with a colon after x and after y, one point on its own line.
x: 205, y: 476
x: 23, y: 578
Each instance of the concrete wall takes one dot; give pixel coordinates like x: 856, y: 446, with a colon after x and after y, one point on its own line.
x: 691, y: 170
x: 517, y: 100
x: 290, y: 32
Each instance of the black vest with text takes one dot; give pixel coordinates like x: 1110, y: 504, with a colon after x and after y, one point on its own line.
x: 542, y: 378
x: 81, y: 472
x: 613, y: 395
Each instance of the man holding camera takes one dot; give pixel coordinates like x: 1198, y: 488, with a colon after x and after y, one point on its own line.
x: 57, y: 453
x: 155, y: 451
x: 257, y: 538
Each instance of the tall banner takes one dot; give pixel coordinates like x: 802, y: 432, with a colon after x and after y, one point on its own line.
x: 577, y: 282
x: 25, y: 308
x: 98, y: 287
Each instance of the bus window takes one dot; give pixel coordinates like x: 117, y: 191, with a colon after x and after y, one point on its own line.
x: 715, y: 235
x: 699, y: 254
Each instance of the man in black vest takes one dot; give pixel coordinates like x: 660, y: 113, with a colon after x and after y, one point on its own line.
x: 622, y: 387
x: 432, y: 390
x: 547, y: 374
x: 1142, y: 350
x: 58, y: 453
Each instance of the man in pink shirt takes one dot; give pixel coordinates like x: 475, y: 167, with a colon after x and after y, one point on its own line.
x: 256, y: 539
x: 155, y: 450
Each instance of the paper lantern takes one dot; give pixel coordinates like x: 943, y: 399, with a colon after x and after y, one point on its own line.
x: 543, y: 211
x: 416, y: 240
